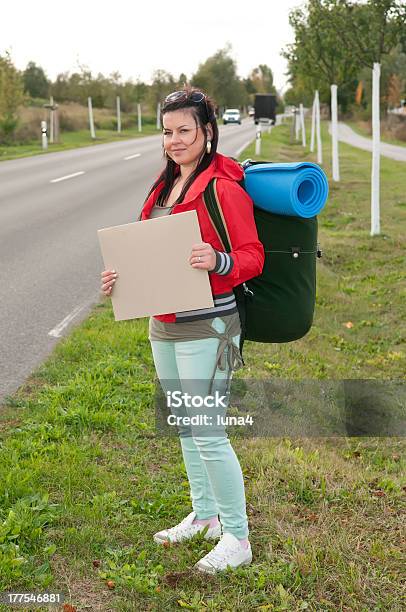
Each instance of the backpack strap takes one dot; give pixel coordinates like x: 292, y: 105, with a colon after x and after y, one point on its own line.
x: 210, y: 198
x: 216, y: 214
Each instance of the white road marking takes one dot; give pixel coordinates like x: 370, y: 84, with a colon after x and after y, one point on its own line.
x: 68, y: 176
x: 244, y: 146
x: 132, y: 156
x: 56, y: 332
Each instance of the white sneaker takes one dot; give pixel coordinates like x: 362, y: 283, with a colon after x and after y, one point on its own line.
x: 228, y: 552
x: 185, y: 530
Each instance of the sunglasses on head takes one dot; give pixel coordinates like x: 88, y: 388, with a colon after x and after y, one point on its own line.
x: 177, y: 96
x: 182, y: 95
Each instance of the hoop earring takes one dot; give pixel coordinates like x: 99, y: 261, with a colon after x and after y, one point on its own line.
x: 208, y: 147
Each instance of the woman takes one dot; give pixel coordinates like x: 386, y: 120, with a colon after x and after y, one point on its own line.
x: 198, y: 350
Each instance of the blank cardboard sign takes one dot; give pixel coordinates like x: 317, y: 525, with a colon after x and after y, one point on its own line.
x: 151, y: 259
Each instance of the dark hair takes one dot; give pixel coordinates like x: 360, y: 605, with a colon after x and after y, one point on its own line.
x: 203, y: 113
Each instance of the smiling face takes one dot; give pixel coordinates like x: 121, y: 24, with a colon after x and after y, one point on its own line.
x: 183, y: 137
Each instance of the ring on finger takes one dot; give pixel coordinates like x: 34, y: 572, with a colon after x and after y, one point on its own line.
x: 199, y: 259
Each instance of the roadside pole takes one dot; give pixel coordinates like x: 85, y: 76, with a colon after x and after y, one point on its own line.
x: 44, y: 135
x: 293, y: 126
x: 51, y: 121
x: 302, y: 124
x: 297, y: 124
x: 91, y: 122
x: 118, y: 115
x: 258, y: 139
x: 56, y: 121
x: 313, y: 124
x: 376, y: 152
x: 139, y: 117
x: 158, y: 120
x: 334, y: 132
x: 319, y: 148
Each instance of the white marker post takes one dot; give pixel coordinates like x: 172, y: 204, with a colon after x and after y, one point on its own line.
x: 51, y: 120
x: 319, y: 148
x: 44, y: 134
x: 158, y: 120
x: 118, y: 115
x: 292, y: 126
x: 258, y: 139
x: 302, y: 125
x: 313, y: 130
x: 334, y: 132
x: 91, y: 122
x: 376, y: 151
x: 297, y: 124
x: 139, y: 117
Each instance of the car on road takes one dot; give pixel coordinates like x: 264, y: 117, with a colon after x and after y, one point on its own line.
x: 232, y: 115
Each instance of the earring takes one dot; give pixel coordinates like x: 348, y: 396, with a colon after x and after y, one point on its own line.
x: 166, y: 155
x: 208, y: 147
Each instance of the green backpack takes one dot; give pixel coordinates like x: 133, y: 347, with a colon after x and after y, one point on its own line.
x: 278, y: 305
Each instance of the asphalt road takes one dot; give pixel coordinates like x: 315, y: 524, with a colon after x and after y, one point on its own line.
x: 49, y: 250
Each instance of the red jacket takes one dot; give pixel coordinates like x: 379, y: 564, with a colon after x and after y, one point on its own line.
x: 247, y: 253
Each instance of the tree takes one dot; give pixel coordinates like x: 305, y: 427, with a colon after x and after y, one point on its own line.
x: 371, y: 30
x: 35, y: 81
x: 394, y: 91
x: 317, y: 58
x: 140, y: 91
x: 335, y: 39
x: 182, y: 81
x: 218, y: 77
x: 262, y: 79
x: 11, y: 97
x: 374, y: 32
x: 163, y: 84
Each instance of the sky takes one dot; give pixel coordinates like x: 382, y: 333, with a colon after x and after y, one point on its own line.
x: 136, y: 38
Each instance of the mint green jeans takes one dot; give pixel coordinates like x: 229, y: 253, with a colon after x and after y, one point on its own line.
x: 214, y: 472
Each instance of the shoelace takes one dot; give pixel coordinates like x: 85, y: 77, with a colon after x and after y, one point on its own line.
x: 181, y: 528
x: 221, y: 552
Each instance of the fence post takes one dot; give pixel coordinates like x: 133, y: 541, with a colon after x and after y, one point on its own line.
x: 118, y: 114
x: 139, y: 117
x: 44, y: 134
x: 302, y: 124
x: 293, y: 126
x: 319, y: 147
x: 297, y: 123
x: 334, y: 133
x: 313, y: 124
x: 51, y: 120
x: 376, y: 151
x: 91, y: 122
x: 258, y: 139
x: 158, y: 120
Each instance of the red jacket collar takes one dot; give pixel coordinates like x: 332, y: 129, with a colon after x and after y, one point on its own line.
x: 220, y: 167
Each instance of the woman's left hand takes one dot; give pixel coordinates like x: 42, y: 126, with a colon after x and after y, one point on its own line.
x: 205, y: 252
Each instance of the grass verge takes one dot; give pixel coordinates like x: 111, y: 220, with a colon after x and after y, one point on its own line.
x: 85, y: 479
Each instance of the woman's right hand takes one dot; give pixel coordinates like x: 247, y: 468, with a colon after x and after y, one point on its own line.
x: 108, y: 279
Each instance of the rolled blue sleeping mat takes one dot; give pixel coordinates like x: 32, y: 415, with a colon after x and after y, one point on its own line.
x: 297, y: 189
